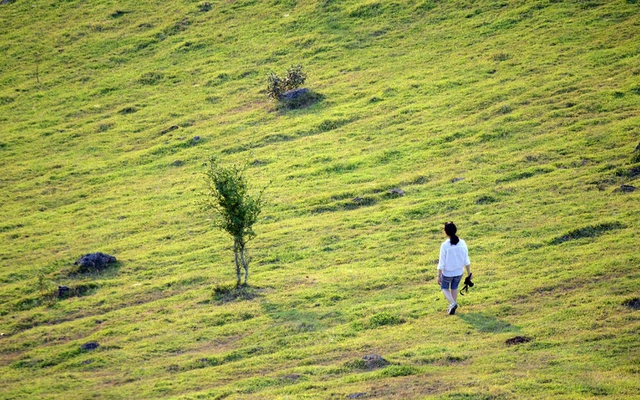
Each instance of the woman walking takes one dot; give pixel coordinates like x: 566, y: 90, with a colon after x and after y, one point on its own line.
x: 454, y: 258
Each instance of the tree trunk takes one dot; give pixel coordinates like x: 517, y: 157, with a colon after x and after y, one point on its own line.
x: 245, y: 264
x: 236, y: 253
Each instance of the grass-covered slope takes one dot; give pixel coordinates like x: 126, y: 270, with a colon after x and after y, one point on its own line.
x: 516, y: 120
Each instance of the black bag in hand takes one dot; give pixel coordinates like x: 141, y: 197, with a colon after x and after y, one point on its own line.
x: 467, y: 284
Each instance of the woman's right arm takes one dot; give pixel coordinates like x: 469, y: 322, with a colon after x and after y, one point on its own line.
x: 467, y: 261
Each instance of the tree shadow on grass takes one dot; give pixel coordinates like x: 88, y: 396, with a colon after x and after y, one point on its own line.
x: 228, y: 293
x: 488, y: 323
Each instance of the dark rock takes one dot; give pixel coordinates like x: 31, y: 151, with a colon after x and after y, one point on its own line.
x: 374, y: 361
x: 196, y: 138
x: 632, y: 303
x: 374, y: 99
x: 627, y: 188
x: 517, y: 340
x: 90, y: 346
x: 629, y: 173
x: 177, y: 163
x: 637, y: 148
x: 63, y: 291
x: 297, y: 99
x: 94, y: 261
x: 294, y: 94
x: 356, y: 395
x: 204, y: 7
x: 454, y: 180
x: 396, y: 192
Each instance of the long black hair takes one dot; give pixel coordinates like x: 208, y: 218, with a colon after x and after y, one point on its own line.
x: 450, y: 229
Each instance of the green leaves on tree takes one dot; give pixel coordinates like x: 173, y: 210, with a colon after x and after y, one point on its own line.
x: 234, y: 209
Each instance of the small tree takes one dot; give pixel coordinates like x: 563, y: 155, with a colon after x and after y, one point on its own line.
x: 234, y: 209
x: 294, y: 78
x: 275, y: 86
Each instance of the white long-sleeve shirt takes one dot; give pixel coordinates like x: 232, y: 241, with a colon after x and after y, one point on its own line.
x: 453, y: 258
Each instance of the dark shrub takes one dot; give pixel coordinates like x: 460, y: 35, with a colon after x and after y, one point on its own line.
x: 277, y: 86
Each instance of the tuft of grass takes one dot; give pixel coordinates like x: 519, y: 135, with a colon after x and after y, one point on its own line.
x: 151, y: 78
x: 383, y: 319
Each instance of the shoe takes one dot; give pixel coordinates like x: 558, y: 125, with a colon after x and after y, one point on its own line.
x: 452, y: 308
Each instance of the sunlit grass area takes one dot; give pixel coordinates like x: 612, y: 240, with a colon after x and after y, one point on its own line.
x: 518, y: 120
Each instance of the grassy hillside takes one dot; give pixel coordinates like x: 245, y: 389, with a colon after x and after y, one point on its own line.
x: 518, y: 120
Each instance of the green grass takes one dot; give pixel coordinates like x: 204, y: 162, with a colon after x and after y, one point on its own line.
x: 517, y: 120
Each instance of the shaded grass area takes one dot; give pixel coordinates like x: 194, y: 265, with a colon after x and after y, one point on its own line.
x: 517, y: 120
x: 588, y: 232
